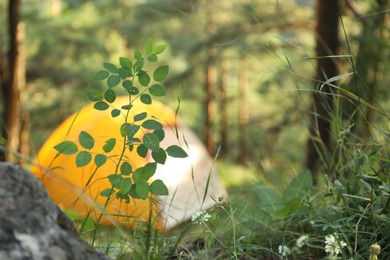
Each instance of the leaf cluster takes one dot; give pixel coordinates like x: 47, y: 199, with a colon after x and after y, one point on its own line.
x: 354, y: 206
x: 142, y: 133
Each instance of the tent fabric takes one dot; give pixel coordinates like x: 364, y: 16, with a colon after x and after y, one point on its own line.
x: 78, y: 189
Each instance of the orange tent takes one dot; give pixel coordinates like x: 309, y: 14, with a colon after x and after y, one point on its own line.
x: 78, y: 188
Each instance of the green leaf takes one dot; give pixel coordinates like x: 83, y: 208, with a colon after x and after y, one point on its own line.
x: 124, y: 73
x: 83, y: 158
x: 142, y: 189
x: 176, y: 151
x: 66, y: 147
x: 133, y: 192
x: 126, y: 168
x: 123, y: 197
x: 269, y: 199
x: 73, y: 215
x: 100, y: 159
x: 293, y: 206
x: 142, y: 150
x: 145, y: 173
x: 114, y: 179
x: 149, y: 170
x: 115, y: 112
x: 110, y: 95
x: 131, y: 130
x: 152, y: 124
x: 161, y: 73
x: 299, y: 186
x: 146, y: 99
x: 137, y: 55
x: 151, y: 141
x: 137, y: 174
x: 132, y: 141
x: 143, y: 78
x: 88, y: 223
x: 138, y: 65
x: 101, y: 75
x: 134, y: 91
x: 160, y: 156
x: 123, y: 128
x: 107, y: 192
x: 152, y: 58
x: 126, y: 107
x: 140, y: 116
x: 127, y: 84
x: 160, y: 48
x: 124, y: 186
x: 158, y: 188
x: 125, y: 63
x: 86, y: 140
x: 95, y: 95
x: 157, y: 90
x: 113, y: 80
x: 148, y: 47
x: 110, y: 67
x: 101, y: 105
x: 110, y: 144
x: 160, y: 134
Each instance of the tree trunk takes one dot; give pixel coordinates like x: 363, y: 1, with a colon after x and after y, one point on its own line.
x: 12, y: 83
x: 243, y: 112
x: 327, y: 44
x: 224, y: 120
x: 209, y: 103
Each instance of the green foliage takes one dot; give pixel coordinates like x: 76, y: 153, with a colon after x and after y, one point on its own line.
x: 110, y: 144
x: 66, y: 147
x: 352, y: 212
x: 359, y: 204
x: 83, y: 158
x: 176, y: 151
x: 86, y: 140
x: 291, y: 202
x: 158, y: 188
x: 161, y: 73
x: 100, y: 159
x: 128, y: 183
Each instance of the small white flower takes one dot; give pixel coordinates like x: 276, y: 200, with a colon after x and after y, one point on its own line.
x: 301, y: 241
x: 333, y: 246
x: 284, y: 250
x: 200, y: 217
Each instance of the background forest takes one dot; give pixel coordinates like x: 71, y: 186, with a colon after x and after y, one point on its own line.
x: 249, y: 77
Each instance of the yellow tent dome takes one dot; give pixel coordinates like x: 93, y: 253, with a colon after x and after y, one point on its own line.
x: 78, y: 188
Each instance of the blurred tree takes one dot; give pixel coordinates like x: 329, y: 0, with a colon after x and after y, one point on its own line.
x: 12, y: 84
x: 223, y: 105
x: 327, y: 45
x: 372, y: 54
x: 243, y: 111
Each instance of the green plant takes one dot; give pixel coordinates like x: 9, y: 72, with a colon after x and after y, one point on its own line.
x: 126, y: 182
x: 295, y: 199
x: 359, y: 205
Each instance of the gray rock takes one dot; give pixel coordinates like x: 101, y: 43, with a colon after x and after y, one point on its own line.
x: 31, y: 225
